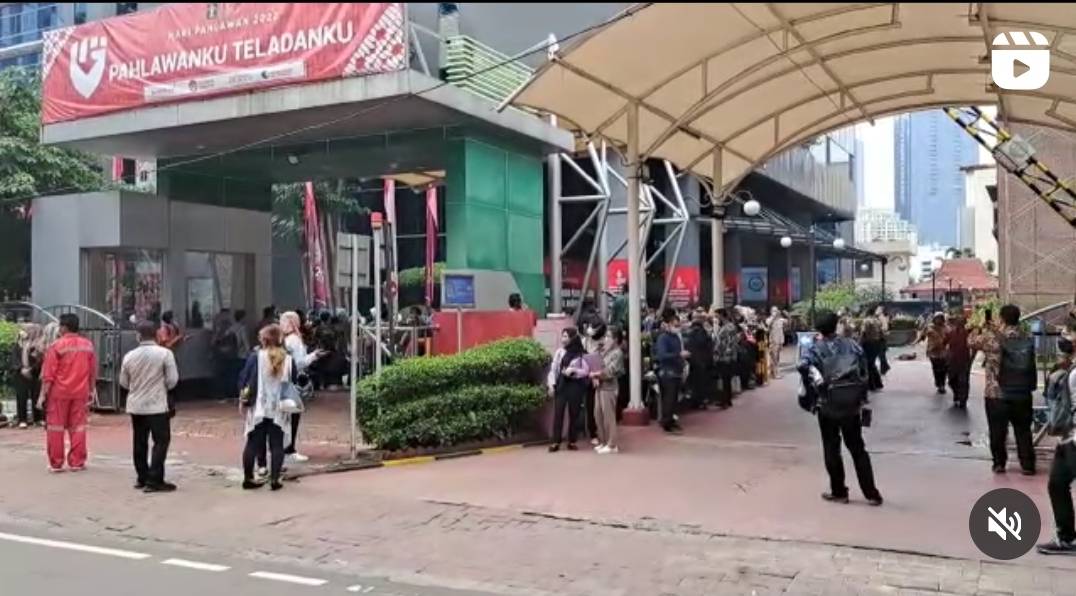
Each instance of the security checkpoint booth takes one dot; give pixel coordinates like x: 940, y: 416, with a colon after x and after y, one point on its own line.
x: 221, y: 105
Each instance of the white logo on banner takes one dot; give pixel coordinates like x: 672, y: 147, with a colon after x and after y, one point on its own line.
x: 90, y: 53
x: 1033, y: 58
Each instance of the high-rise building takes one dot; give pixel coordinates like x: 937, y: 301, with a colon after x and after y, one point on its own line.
x: 929, y: 150
x: 882, y: 225
x: 23, y: 23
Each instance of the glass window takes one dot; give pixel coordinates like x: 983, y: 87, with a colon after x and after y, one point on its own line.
x: 123, y: 8
x: 216, y: 281
x: 126, y: 283
x: 80, y: 13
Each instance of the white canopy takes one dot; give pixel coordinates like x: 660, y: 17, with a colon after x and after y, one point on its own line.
x: 753, y: 79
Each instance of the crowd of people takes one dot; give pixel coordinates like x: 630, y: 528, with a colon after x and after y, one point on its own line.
x: 54, y: 373
x: 691, y: 366
x: 696, y: 359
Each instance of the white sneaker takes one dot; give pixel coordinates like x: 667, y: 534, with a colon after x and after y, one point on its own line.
x: 599, y: 447
x: 23, y: 426
x: 606, y: 450
x: 595, y: 442
x: 261, y: 473
x: 297, y: 458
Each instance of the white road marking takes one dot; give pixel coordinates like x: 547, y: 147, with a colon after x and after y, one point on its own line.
x: 291, y: 579
x: 85, y: 548
x: 195, y: 565
x: 359, y: 588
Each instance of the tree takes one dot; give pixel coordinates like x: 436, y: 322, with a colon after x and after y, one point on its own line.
x: 29, y: 169
x: 991, y: 266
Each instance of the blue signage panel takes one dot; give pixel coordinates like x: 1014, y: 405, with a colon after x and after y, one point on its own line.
x: 459, y: 291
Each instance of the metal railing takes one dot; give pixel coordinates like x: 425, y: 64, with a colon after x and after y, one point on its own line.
x: 480, y: 69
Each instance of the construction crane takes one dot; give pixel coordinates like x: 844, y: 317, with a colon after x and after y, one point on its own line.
x: 1017, y: 156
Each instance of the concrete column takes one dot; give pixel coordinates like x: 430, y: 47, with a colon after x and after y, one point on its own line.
x: 556, y: 241
x: 636, y: 413
x: 717, y: 240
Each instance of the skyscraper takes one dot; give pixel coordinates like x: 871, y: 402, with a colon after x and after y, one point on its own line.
x: 928, y: 152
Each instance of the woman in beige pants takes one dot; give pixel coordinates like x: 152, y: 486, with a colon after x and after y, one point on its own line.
x: 606, y: 382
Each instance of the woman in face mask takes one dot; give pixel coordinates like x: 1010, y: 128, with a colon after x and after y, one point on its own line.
x: 606, y: 383
x: 569, y: 378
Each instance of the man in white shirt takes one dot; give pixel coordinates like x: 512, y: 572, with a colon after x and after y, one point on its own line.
x: 148, y: 373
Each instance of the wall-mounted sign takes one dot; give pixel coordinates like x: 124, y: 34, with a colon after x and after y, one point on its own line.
x: 458, y: 291
x: 754, y: 284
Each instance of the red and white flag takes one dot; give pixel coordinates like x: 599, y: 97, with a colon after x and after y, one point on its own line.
x: 431, y: 240
x: 315, y: 254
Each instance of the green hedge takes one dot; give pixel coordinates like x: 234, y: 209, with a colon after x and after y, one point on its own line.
x: 9, y: 337
x: 482, y: 393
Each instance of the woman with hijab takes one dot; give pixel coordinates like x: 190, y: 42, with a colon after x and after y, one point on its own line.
x: 568, y: 380
x: 266, y: 416
x: 291, y: 327
x: 30, y: 354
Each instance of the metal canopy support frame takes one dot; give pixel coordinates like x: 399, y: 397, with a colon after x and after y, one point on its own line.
x: 599, y: 194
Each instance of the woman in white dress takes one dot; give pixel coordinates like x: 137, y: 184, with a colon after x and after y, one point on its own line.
x: 266, y: 418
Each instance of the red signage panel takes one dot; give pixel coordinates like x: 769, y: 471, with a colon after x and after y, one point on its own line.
x: 186, y: 51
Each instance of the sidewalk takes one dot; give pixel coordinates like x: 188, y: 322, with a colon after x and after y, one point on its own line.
x: 210, y: 432
x: 730, y: 507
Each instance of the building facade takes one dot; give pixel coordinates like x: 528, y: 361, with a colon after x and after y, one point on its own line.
x: 23, y: 23
x: 978, y: 225
x: 929, y: 151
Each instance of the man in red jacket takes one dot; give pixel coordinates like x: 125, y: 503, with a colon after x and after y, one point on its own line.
x: 69, y: 378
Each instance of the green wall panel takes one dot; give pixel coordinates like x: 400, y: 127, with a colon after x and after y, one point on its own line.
x: 494, y: 213
x: 525, y: 185
x: 525, y: 244
x: 485, y: 174
x: 487, y: 238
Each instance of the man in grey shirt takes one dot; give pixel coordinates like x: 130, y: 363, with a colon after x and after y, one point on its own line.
x: 149, y: 373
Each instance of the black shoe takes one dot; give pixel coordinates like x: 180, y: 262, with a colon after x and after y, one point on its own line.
x: 572, y: 447
x: 251, y: 485
x: 1027, y: 472
x: 554, y: 448
x: 275, y: 486
x: 941, y: 391
x: 139, y: 485
x: 1057, y: 547
x: 832, y: 498
x: 998, y: 469
x: 163, y: 487
x: 875, y: 501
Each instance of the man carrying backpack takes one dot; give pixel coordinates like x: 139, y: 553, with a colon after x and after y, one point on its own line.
x: 1059, y: 390
x: 1009, y: 355
x: 834, y: 373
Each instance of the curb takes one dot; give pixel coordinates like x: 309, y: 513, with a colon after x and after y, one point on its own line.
x: 369, y: 464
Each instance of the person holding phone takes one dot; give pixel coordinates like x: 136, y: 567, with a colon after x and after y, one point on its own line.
x: 569, y: 377
x: 292, y: 328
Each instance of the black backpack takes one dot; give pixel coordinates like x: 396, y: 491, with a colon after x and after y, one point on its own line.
x: 1016, y: 377
x: 844, y: 388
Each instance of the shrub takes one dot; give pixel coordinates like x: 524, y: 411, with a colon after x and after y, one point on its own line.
x: 415, y: 277
x: 438, y: 401
x: 469, y: 414
x: 9, y: 336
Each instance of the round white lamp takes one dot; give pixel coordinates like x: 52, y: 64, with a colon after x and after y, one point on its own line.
x: 786, y: 242
x: 752, y: 208
x: 838, y: 243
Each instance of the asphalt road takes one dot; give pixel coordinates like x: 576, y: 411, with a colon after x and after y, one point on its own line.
x: 51, y: 565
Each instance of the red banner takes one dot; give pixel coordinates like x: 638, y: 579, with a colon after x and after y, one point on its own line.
x: 315, y: 251
x: 684, y: 290
x: 431, y: 241
x: 617, y: 274
x: 186, y: 51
